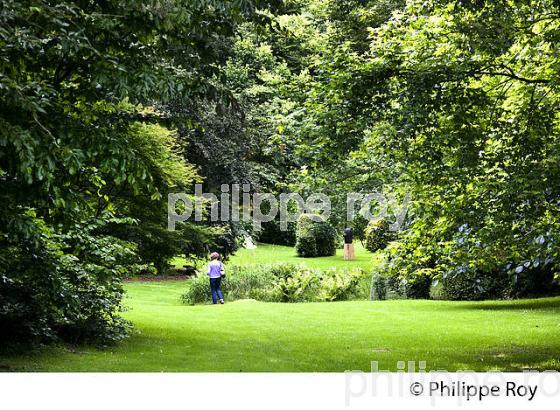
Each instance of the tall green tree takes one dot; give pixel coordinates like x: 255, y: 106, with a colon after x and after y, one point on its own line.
x: 82, y: 154
x: 455, y: 102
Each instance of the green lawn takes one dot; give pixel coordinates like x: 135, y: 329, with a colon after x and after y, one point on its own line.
x: 265, y: 253
x: 337, y: 336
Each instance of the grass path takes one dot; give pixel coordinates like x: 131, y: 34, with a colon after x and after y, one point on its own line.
x: 254, y: 336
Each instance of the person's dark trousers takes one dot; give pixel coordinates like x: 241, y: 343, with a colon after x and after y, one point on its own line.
x: 215, y: 289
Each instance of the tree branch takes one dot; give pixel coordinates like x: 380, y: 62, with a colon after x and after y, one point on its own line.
x: 514, y: 76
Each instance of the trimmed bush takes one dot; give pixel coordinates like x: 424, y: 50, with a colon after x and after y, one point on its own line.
x: 359, y: 225
x: 315, y: 237
x: 325, y: 238
x: 306, y: 246
x: 378, y: 235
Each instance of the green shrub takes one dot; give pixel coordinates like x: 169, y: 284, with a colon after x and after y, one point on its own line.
x: 396, y: 287
x: 315, y: 237
x: 418, y: 286
x: 280, y: 283
x: 464, y: 264
x: 466, y: 283
x: 283, y: 270
x: 301, y: 286
x: 378, y: 235
x: 406, y: 278
x: 198, y: 291
x: 378, y: 287
x: 532, y: 278
x: 363, y: 288
x: 325, y: 238
x: 240, y: 283
x: 306, y: 246
x: 412, y: 286
x: 337, y: 286
x: 463, y: 283
x: 436, y: 291
x: 66, y: 287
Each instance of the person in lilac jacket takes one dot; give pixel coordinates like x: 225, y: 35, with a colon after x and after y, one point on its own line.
x: 215, y: 272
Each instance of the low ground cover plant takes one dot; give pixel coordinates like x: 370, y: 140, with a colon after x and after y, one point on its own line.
x: 282, y: 283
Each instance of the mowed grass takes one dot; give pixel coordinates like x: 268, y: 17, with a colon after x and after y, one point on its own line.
x: 246, y: 336
x: 266, y: 253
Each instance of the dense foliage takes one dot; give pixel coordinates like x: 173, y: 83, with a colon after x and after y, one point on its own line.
x: 315, y: 237
x: 474, y: 137
x: 272, y: 233
x: 89, y: 152
x: 281, y: 283
x: 453, y: 103
x: 378, y: 235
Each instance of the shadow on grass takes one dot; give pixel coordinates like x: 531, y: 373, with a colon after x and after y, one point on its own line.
x: 518, y: 304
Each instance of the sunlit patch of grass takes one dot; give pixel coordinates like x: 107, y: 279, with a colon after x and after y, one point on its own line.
x: 266, y: 254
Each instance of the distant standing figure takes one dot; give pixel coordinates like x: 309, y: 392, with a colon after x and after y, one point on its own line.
x: 215, y: 273
x: 349, y: 254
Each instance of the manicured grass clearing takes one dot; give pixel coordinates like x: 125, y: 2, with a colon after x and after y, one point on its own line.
x: 255, y: 336
x: 266, y: 253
